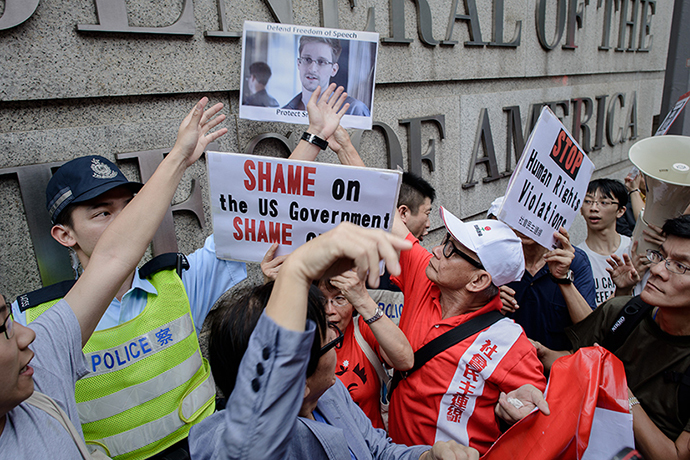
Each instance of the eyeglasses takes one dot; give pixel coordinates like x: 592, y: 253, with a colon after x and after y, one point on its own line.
x: 337, y: 342
x: 603, y: 203
x: 8, y: 325
x: 309, y: 61
x: 338, y: 301
x: 671, y: 265
x: 449, y: 249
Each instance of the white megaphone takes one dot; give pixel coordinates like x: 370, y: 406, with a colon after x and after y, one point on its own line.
x: 665, y: 162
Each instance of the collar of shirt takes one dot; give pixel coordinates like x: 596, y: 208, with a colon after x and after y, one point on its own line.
x: 132, y: 304
x: 493, y: 304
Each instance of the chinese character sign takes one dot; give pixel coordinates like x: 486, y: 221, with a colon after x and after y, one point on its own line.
x: 282, y: 64
x: 257, y: 201
x: 549, y: 183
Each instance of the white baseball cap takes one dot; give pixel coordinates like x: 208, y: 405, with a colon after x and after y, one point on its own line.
x: 495, y: 206
x: 498, y: 248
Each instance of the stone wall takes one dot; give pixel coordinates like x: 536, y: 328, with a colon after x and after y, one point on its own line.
x: 112, y: 77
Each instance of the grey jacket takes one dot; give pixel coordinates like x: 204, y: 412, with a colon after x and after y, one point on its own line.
x: 260, y: 420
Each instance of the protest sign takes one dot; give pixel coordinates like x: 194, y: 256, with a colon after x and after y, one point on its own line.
x: 672, y: 115
x: 282, y: 65
x: 260, y: 200
x: 548, y: 185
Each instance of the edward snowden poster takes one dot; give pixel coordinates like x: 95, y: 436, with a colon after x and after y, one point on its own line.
x: 282, y: 64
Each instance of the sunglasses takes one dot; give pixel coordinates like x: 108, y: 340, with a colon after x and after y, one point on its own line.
x: 449, y: 249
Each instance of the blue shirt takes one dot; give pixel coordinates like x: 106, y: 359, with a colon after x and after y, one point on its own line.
x: 543, y: 313
x: 206, y: 280
x: 319, y: 418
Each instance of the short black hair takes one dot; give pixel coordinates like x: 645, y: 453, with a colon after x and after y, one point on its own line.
x: 334, y: 43
x: 610, y: 188
x: 261, y: 71
x: 679, y: 226
x: 233, y: 322
x: 65, y: 216
x: 413, y: 191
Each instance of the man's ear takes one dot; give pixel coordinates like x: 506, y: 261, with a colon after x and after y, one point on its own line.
x: 404, y: 212
x: 335, y: 69
x: 620, y: 212
x: 480, y: 281
x: 63, y: 235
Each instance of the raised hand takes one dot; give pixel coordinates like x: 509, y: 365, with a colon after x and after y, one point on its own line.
x: 348, y: 247
x: 325, y: 111
x: 559, y: 260
x: 353, y: 288
x: 270, y: 264
x: 623, y: 273
x: 194, y: 134
x: 654, y: 235
x: 636, y: 182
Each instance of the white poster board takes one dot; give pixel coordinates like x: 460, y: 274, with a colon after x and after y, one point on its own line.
x: 549, y: 183
x: 672, y: 115
x: 259, y: 200
x: 282, y: 64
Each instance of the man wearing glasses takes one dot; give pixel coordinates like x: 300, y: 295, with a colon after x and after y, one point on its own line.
x: 317, y: 63
x: 456, y: 394
x: 605, y: 201
x: 654, y: 348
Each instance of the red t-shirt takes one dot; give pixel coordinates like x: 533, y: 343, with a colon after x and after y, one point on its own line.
x: 454, y: 394
x: 358, y: 374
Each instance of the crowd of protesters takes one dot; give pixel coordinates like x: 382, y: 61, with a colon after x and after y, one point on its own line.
x: 309, y: 363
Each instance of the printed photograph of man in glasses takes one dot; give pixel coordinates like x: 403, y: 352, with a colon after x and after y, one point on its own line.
x: 317, y: 64
x: 300, y: 59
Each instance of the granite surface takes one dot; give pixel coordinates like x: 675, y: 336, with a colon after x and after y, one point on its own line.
x: 46, y: 57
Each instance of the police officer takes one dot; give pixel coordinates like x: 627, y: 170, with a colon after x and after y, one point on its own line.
x: 148, y: 383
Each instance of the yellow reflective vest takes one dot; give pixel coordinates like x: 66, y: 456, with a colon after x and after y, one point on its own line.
x: 148, y: 383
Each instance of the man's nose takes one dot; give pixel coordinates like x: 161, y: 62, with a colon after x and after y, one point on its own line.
x: 659, y: 269
x: 25, y: 336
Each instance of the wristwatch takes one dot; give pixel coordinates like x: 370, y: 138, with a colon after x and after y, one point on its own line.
x: 314, y: 139
x: 569, y: 278
x: 377, y: 316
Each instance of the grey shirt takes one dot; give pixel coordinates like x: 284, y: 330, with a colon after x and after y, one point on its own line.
x: 58, y: 363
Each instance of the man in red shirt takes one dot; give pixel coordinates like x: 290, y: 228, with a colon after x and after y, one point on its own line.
x: 455, y: 395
